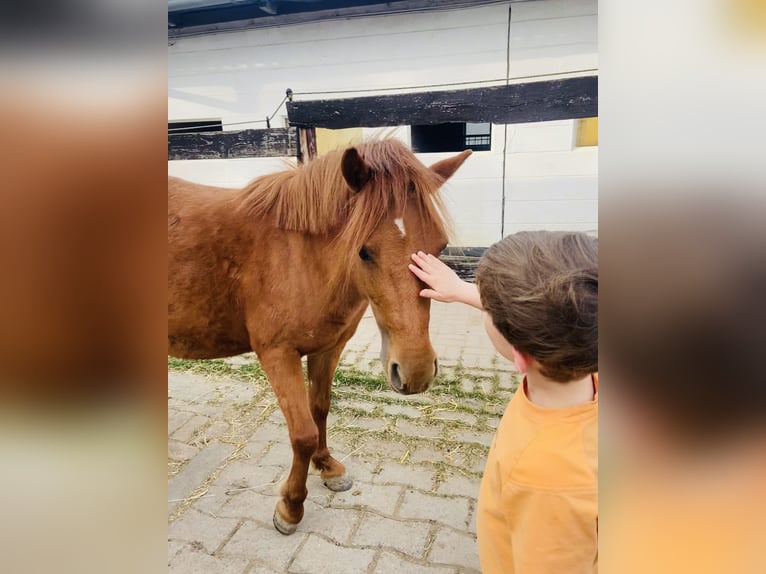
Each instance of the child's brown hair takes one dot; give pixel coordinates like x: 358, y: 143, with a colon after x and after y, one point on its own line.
x: 541, y: 290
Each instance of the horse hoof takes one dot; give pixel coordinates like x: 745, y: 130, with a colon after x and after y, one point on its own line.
x: 338, y: 483
x: 282, y: 526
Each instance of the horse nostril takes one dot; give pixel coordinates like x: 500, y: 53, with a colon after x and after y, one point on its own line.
x: 396, y: 379
x: 436, y: 367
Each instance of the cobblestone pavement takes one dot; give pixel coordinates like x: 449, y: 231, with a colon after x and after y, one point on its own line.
x: 416, y: 462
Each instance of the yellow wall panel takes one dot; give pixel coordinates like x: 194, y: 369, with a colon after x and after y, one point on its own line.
x: 328, y: 140
x: 587, y: 132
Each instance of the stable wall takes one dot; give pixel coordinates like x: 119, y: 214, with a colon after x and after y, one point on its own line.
x: 549, y: 183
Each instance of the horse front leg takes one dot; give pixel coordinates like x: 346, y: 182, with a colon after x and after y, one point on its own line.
x: 283, y: 369
x: 321, y: 368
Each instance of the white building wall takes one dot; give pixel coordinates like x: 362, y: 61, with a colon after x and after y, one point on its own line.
x: 549, y: 184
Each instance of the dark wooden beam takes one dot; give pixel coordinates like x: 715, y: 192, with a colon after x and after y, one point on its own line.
x: 516, y: 103
x: 277, y: 142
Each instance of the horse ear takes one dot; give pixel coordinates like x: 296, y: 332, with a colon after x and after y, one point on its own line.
x: 355, y: 171
x: 447, y: 167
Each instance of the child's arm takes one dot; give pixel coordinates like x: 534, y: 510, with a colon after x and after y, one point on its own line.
x: 444, y: 283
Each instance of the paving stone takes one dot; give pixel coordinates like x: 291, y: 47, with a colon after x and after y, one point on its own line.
x: 484, y: 438
x: 382, y: 498
x: 377, y: 448
x: 406, y: 400
x: 188, y: 387
x: 405, y: 536
x: 408, y: 428
x: 508, y: 380
x: 187, y: 430
x: 249, y: 473
x: 176, y: 419
x: 318, y: 556
x: 408, y: 475
x: 264, y: 544
x: 240, y: 360
x: 211, y: 502
x: 237, y: 391
x: 458, y: 485
x: 427, y: 454
x: 402, y: 410
x: 450, y: 511
x: 255, y: 449
x: 204, y: 408
x: 195, y: 526
x: 478, y: 465
x: 363, y: 406
x: 369, y: 423
x: 259, y: 569
x: 467, y: 386
x: 277, y: 418
x: 190, y: 561
x: 251, y: 505
x: 216, y: 430
x: 452, y: 547
x: 477, y: 404
x: 485, y: 361
x: 333, y: 523
x: 195, y: 472
x: 390, y: 564
x: 180, y: 451
x: 465, y: 418
x: 271, y: 432
x: 318, y: 493
x: 174, y: 547
x: 357, y: 469
x: 472, y: 517
x: 279, y: 454
x: 496, y: 409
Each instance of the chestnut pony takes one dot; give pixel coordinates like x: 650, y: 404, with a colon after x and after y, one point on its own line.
x: 287, y: 266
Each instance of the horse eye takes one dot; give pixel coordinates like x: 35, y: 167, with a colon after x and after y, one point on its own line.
x: 364, y: 254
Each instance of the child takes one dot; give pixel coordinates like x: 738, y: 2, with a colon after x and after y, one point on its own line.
x: 538, y: 504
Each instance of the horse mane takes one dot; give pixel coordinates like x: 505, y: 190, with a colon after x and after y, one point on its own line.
x: 315, y: 198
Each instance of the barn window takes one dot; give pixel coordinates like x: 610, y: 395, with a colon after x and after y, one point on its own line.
x: 194, y: 127
x: 587, y: 132
x: 451, y: 137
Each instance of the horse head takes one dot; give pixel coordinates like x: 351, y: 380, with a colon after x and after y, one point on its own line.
x: 398, y: 197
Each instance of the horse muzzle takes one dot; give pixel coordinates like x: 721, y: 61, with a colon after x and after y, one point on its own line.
x: 408, y: 372
x: 412, y: 379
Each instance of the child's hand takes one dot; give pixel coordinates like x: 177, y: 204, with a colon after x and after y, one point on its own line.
x: 445, y: 285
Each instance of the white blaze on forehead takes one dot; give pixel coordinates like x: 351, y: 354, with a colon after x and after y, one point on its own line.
x: 399, y: 222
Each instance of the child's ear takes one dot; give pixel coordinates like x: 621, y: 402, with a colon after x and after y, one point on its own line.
x: 521, y: 360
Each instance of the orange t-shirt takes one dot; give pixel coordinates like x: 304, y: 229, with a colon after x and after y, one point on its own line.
x: 538, y: 504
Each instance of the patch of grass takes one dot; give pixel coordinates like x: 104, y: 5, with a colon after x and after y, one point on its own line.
x: 219, y: 367
x: 356, y: 378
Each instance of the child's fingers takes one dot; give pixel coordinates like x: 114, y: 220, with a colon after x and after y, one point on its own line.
x: 422, y: 275
x: 429, y: 294
x: 425, y: 260
x: 420, y: 259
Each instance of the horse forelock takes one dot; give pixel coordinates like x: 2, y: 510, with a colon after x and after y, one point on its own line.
x: 315, y: 199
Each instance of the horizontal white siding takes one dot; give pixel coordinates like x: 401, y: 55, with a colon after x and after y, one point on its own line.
x: 227, y: 172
